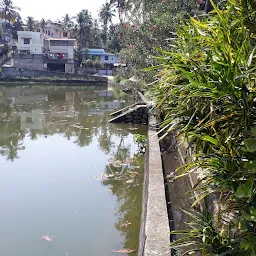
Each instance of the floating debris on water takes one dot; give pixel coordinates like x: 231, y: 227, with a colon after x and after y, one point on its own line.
x: 133, y: 129
x: 47, y: 238
x: 129, y: 181
x: 126, y: 224
x: 110, y: 191
x: 79, y: 127
x: 124, y: 251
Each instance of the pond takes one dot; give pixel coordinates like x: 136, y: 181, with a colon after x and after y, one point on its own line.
x: 70, y: 182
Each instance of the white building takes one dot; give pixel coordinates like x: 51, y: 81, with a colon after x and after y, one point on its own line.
x: 60, y: 54
x: 35, y: 120
x: 40, y: 52
x: 60, y: 46
x: 30, y: 42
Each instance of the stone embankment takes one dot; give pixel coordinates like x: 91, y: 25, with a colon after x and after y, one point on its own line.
x: 136, y: 114
x: 27, y: 75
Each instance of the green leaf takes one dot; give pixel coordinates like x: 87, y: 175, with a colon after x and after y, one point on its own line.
x: 250, y: 144
x: 251, y: 165
x: 253, y: 131
x: 210, y: 139
x: 244, y: 244
x: 246, y: 189
x: 199, y: 23
x: 246, y: 216
x: 249, y: 62
x: 253, y: 211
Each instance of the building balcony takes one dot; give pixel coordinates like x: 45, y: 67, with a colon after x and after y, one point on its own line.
x: 55, y: 58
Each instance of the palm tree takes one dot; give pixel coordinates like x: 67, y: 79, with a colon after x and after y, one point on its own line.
x: 8, y: 11
x: 122, y: 6
x: 106, y: 15
x: 96, y: 35
x: 67, y: 22
x: 30, y: 23
x: 83, y: 27
x: 43, y: 24
x: 107, y: 12
x: 80, y: 25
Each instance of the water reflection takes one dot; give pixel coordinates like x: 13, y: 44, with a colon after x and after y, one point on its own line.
x: 39, y: 111
x: 61, y: 132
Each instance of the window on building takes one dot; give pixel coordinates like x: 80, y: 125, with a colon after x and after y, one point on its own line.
x: 65, y: 34
x: 26, y: 40
x: 106, y: 57
x: 48, y: 32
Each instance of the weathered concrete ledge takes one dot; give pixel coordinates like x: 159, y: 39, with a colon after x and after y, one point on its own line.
x: 53, y: 81
x: 136, y: 113
x: 155, y: 231
x: 26, y: 75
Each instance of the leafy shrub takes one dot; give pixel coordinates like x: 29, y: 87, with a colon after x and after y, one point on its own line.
x: 207, y: 94
x: 141, y: 141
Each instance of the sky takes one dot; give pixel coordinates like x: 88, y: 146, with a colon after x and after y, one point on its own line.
x: 56, y: 9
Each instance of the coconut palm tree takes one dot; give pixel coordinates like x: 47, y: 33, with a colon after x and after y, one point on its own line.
x: 83, y: 27
x: 122, y: 7
x: 106, y: 15
x: 30, y: 23
x: 67, y: 22
x: 8, y: 12
x: 79, y: 25
x: 107, y: 12
x: 96, y: 34
x: 43, y: 24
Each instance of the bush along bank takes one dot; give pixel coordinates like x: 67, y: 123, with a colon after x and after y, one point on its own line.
x: 206, y: 93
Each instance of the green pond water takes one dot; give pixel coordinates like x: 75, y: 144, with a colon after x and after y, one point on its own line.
x: 67, y: 174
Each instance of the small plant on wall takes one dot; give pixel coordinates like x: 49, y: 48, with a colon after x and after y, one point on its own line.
x: 141, y: 141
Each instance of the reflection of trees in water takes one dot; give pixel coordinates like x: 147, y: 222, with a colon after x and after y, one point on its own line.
x: 11, y: 137
x: 93, y: 122
x: 129, y: 195
x: 11, y: 149
x: 89, y: 123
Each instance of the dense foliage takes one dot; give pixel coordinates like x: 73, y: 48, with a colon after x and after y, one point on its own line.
x: 206, y: 93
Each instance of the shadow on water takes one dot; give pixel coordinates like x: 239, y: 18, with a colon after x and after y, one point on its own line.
x: 53, y: 141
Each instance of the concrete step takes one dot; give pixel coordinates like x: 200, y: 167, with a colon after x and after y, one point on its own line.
x: 136, y: 113
x: 123, y: 110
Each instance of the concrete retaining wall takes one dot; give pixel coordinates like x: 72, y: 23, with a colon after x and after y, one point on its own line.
x: 136, y: 114
x: 86, y: 70
x: 12, y: 72
x: 155, y: 231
